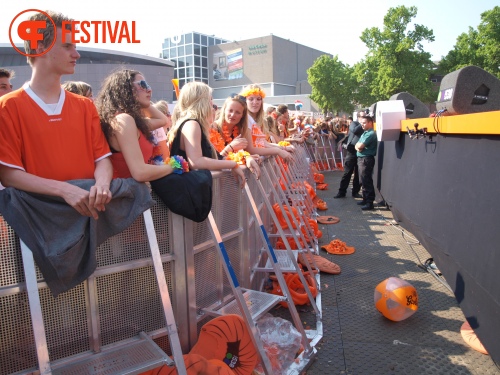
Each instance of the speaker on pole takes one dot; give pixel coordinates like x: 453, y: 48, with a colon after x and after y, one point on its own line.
x: 390, y: 113
x: 373, y: 111
x: 469, y: 90
x: 414, y: 108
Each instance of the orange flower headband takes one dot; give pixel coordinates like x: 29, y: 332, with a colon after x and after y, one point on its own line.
x: 254, y: 91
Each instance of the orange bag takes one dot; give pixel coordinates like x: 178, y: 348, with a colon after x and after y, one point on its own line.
x: 281, y: 219
x: 319, y: 178
x: 195, y: 365
x: 216, y: 341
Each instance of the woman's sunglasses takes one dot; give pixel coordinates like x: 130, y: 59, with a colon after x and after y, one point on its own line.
x: 144, y: 85
x: 241, y: 98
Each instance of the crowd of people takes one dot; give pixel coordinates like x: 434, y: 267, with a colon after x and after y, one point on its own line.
x: 54, y: 132
x: 123, y: 134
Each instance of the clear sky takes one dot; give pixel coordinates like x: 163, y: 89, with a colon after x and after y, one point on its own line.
x: 330, y: 26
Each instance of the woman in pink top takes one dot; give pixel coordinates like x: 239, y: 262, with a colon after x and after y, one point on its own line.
x: 256, y: 138
x: 127, y: 119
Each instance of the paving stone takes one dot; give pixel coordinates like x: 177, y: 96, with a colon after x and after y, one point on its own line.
x: 357, y: 339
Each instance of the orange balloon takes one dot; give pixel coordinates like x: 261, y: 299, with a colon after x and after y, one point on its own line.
x: 396, y: 299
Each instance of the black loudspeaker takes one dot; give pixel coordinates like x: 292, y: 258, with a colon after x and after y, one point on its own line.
x: 373, y: 111
x: 414, y: 107
x: 469, y: 90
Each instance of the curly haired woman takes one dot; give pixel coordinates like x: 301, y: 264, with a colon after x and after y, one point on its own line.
x: 127, y: 119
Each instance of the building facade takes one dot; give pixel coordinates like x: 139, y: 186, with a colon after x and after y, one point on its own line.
x: 189, y: 53
x: 278, y: 65
x: 95, y: 65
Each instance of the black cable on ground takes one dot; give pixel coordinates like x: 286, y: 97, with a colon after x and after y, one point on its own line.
x: 426, y: 266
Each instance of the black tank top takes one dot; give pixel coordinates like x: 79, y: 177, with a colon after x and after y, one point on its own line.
x: 206, y: 147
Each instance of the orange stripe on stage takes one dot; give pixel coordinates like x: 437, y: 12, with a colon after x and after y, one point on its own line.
x: 474, y: 123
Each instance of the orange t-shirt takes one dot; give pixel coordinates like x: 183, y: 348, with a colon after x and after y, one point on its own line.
x: 60, y: 142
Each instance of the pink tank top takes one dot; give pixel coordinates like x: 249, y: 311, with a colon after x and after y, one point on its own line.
x: 258, y: 137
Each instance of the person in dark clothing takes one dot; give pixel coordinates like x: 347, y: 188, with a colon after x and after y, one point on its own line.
x: 366, y: 151
x: 351, y: 160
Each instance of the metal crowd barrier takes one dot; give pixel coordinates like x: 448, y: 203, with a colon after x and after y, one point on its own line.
x: 121, y: 298
x: 324, y: 153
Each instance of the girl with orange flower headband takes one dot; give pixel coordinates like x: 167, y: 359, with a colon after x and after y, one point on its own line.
x: 256, y: 138
x: 193, y: 119
x: 228, y: 131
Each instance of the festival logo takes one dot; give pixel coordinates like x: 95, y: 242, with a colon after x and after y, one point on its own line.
x: 78, y: 32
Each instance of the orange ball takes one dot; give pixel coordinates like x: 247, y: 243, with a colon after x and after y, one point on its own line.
x: 396, y: 299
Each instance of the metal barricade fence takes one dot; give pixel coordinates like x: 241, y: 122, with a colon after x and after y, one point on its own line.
x: 121, y: 298
x: 324, y: 153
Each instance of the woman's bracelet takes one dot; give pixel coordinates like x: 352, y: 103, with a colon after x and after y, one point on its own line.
x: 178, y: 164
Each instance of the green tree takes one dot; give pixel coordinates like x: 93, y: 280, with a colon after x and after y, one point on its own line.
x: 332, y: 84
x: 463, y: 54
x: 479, y: 47
x: 396, y: 60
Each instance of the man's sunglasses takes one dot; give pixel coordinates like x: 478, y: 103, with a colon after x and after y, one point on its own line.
x: 144, y: 85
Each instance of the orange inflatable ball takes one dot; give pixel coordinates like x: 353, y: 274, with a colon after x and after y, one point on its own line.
x: 396, y: 299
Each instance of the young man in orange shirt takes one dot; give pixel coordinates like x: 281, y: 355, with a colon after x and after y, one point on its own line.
x: 49, y: 136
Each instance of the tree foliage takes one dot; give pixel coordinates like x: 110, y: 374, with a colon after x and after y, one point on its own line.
x: 479, y: 47
x: 396, y: 60
x: 332, y: 84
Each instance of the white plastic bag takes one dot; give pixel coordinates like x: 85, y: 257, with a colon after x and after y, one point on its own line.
x: 281, y: 342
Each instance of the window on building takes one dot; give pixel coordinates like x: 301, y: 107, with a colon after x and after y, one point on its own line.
x: 204, y: 73
x: 173, y: 52
x: 204, y: 40
x: 197, y: 60
x: 197, y: 72
x: 197, y: 49
x: 180, y: 51
x: 189, y: 60
x: 204, y: 51
x: 196, y: 38
x: 181, y: 73
x: 204, y: 62
x: 181, y: 62
x: 189, y: 38
x: 211, y: 41
x: 189, y: 49
x: 189, y: 72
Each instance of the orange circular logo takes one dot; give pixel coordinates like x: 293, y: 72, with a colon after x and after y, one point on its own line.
x: 28, y: 31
